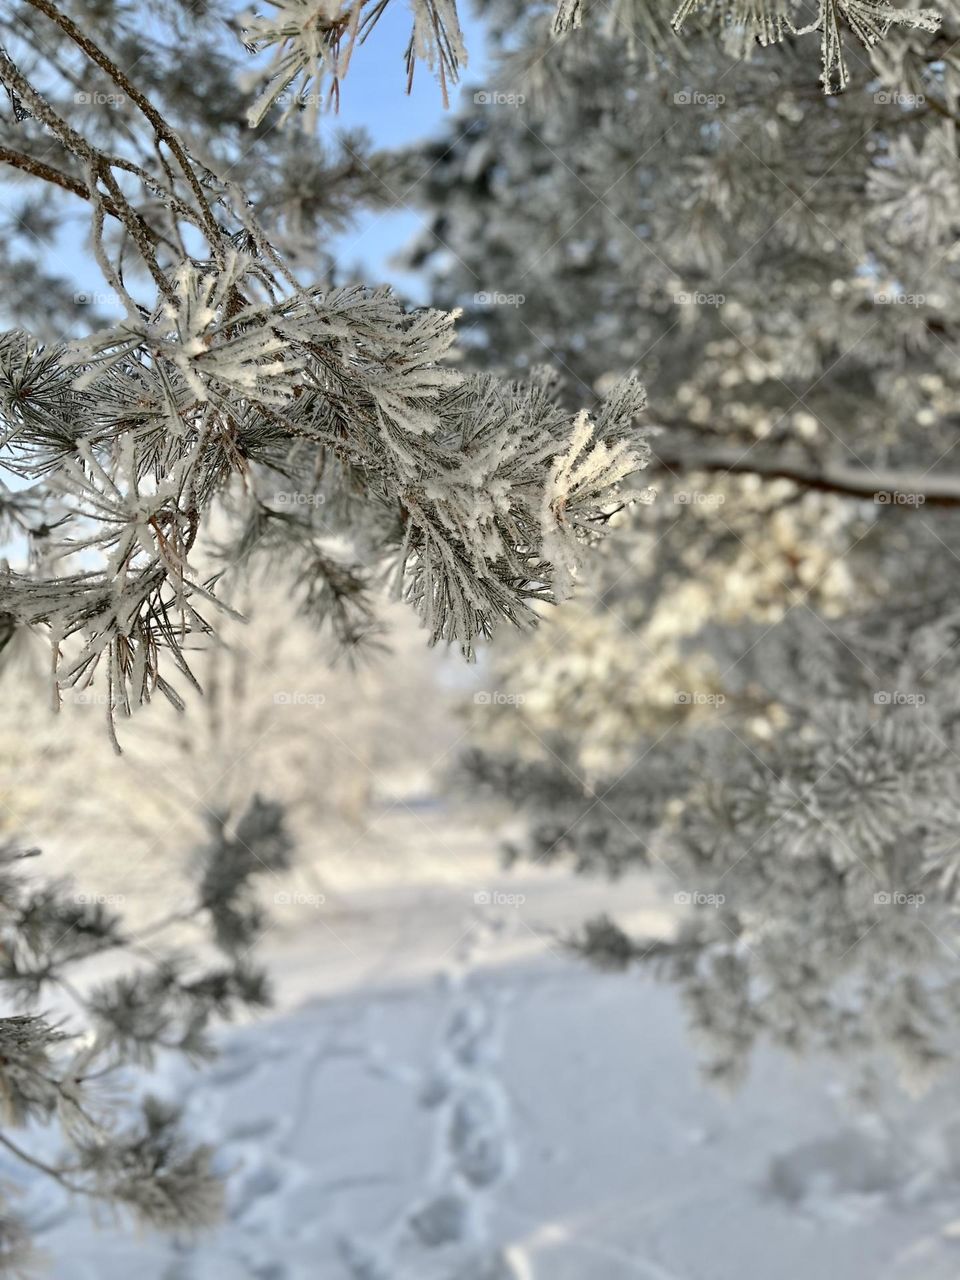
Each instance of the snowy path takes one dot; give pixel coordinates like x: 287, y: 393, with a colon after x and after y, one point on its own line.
x: 592, y: 1150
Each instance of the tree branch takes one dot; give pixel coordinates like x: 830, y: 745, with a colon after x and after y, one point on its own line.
x: 47, y: 173
x: 50, y: 1170
x: 941, y: 490
x: 162, y: 131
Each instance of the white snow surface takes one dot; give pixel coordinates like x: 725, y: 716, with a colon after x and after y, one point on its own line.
x: 443, y: 1093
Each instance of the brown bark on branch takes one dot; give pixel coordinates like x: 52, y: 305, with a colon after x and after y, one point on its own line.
x: 935, y: 489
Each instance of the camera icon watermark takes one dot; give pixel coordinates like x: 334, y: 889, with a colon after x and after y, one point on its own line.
x: 892, y: 97
x: 487, y: 299
x: 498, y: 698
x: 698, y: 299
x: 897, y: 698
x: 896, y: 898
x: 294, y: 698
x: 91, y: 298
x: 494, y: 898
x: 694, y: 898
x: 86, y: 697
x: 698, y: 498
x: 897, y: 498
x: 300, y: 100
x: 693, y: 98
x: 98, y: 99
x: 295, y: 498
x: 496, y: 98
x: 291, y: 898
x: 900, y: 299
x: 696, y: 698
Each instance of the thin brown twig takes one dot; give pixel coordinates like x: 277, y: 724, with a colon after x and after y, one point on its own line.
x: 161, y: 128
x: 47, y: 173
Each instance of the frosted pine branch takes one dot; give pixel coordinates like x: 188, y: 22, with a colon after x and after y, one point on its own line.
x: 312, y: 41
x: 225, y: 371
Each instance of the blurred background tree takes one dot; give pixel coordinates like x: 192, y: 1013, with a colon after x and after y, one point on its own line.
x: 756, y: 695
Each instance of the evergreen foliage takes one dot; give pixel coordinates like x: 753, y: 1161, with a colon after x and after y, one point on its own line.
x: 754, y: 694
x: 63, y: 1071
x: 150, y: 428
x: 226, y: 372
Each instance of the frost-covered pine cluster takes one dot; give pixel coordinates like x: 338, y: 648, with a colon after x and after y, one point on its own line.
x: 227, y: 376
x: 311, y: 42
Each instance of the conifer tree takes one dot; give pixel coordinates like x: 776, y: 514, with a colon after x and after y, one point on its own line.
x: 754, y: 695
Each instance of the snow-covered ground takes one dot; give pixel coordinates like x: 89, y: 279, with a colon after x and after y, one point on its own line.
x: 443, y: 1093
